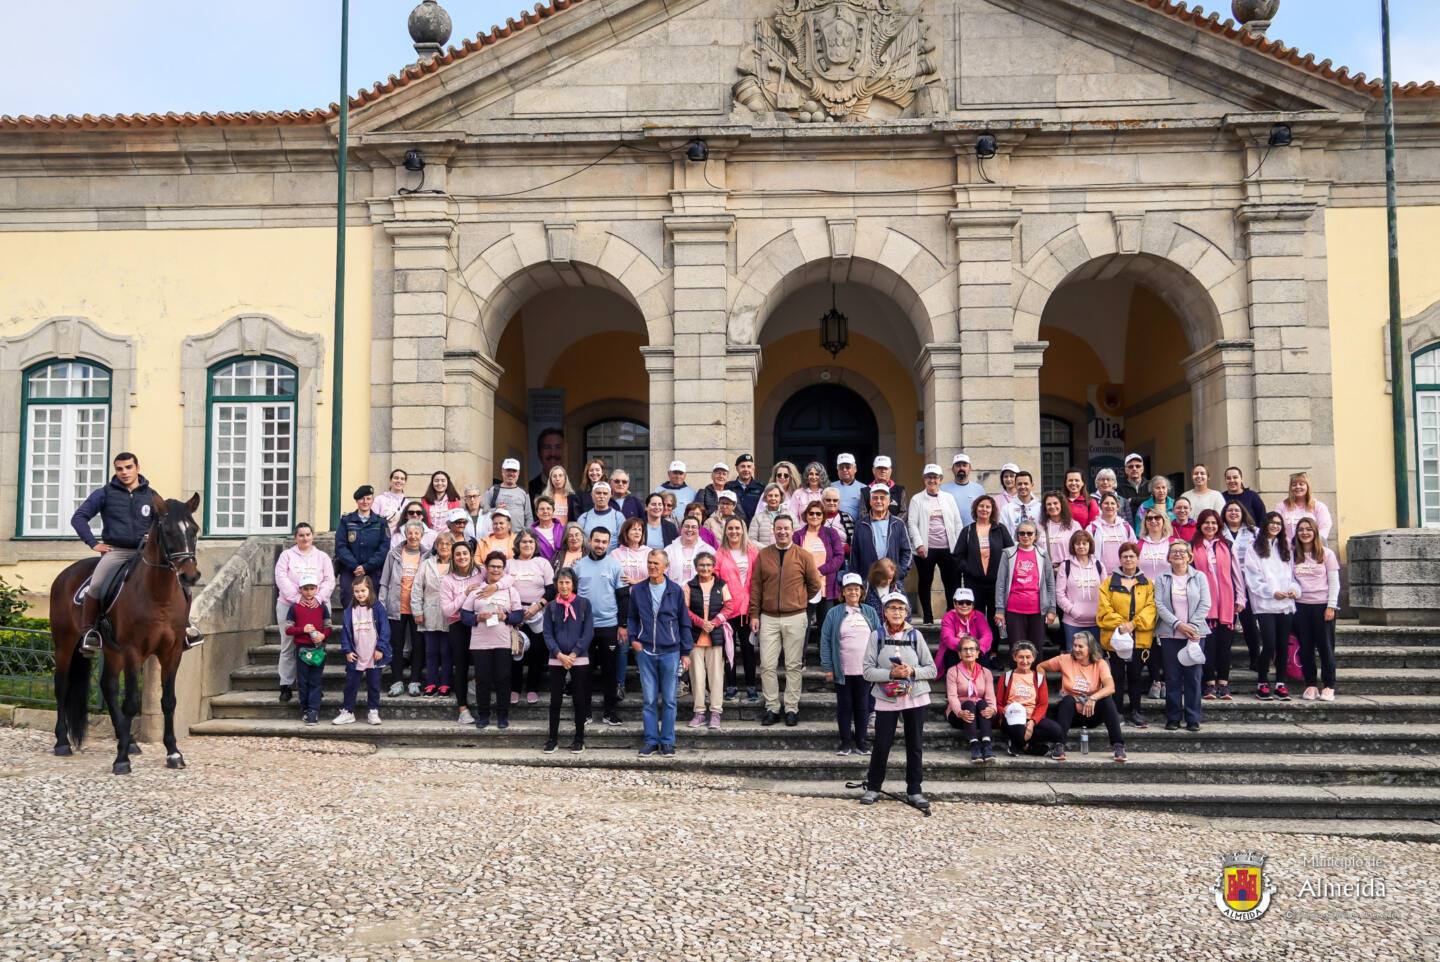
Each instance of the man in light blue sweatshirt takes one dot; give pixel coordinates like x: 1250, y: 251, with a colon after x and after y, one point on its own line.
x: 600, y: 578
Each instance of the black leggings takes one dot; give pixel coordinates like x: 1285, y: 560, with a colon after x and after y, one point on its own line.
x: 1274, y: 637
x: 492, y: 674
x: 1129, y: 680
x: 1217, y: 654
x: 925, y: 571
x: 1252, y: 635
x: 603, y: 662
x: 400, y: 629
x: 885, y: 722
x: 1067, y: 717
x: 852, y: 710
x: 579, y: 697
x: 977, y: 730
x: 745, y: 654
x: 532, y: 665
x: 1315, y: 635
x: 1047, y: 732
x: 985, y: 604
x: 1029, y: 628
x: 460, y: 663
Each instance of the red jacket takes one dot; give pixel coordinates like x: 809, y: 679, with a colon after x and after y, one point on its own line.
x: 1084, y: 511
x: 1042, y: 695
x: 302, y: 618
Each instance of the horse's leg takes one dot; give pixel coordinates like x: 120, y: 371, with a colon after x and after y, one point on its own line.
x: 62, y: 682
x: 110, y: 691
x: 168, y: 667
x: 129, y: 709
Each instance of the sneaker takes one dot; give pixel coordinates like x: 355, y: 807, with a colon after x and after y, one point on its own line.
x: 845, y: 748
x: 667, y: 750
x: 514, y: 698
x: 312, y: 718
x: 397, y: 689
x: 465, y: 717
x: 769, y: 718
x: 1172, y: 726
x: 1010, y: 750
x: 483, y: 722
x: 344, y: 718
x: 1223, y: 692
x: 861, y: 748
x: 714, y: 720
x: 870, y: 797
x: 1310, y: 694
x: 987, y: 751
x: 649, y: 750
x: 1327, y: 694
x: 372, y: 717
x: 1056, y: 752
x: 577, y: 746
x: 613, y: 720
x: 919, y: 801
x: 550, y: 746
x: 1135, y: 720
x: 697, y: 720
x: 414, y: 689
x: 731, y: 692
x: 286, y: 693
x: 531, y: 698
x: 975, y: 752
x: 443, y: 691
x: 1193, y: 727
x: 1262, y: 692
x: 1156, y: 691
x: 1282, y: 693
x: 1209, y: 694
x: 792, y: 719
x: 1119, y: 752
x: 503, y: 722
x: 429, y: 691
x: 751, y: 695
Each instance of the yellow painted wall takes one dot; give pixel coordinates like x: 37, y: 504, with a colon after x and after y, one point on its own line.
x: 600, y: 367
x: 1070, y: 367
x: 869, y: 358
x: 160, y: 286
x: 511, y: 432
x: 1359, y: 310
x: 1153, y: 350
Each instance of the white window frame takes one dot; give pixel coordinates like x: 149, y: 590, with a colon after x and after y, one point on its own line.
x: 255, y: 408
x: 74, y: 482
x: 1425, y: 380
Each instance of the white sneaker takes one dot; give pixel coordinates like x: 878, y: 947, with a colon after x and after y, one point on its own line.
x: 345, y: 718
x: 414, y: 689
x: 372, y: 717
x: 1310, y: 694
x: 1327, y: 694
x: 397, y: 689
x: 466, y: 719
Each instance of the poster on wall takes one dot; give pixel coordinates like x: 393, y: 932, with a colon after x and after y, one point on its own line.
x: 545, y: 416
x: 1106, y: 427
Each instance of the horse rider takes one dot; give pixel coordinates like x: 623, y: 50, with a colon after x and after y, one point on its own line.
x: 125, y: 506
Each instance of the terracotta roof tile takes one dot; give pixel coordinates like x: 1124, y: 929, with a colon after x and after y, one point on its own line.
x: 1194, y: 15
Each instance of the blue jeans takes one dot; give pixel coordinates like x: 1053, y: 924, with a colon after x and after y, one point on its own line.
x: 658, y: 677
x: 1182, y: 683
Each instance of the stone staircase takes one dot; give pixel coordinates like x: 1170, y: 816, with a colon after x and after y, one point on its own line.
x: 1374, y: 753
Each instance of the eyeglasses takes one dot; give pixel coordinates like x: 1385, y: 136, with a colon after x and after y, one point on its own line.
x: 969, y: 648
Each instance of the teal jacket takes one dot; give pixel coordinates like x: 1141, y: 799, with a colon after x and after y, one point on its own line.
x: 830, y: 637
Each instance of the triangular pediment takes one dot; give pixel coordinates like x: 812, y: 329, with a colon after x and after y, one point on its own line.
x: 602, y: 64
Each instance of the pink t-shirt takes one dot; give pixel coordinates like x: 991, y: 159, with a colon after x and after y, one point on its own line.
x: 1314, y: 578
x: 1154, y: 558
x: 1180, y: 600
x: 362, y: 629
x: 854, y: 636
x: 1024, y: 596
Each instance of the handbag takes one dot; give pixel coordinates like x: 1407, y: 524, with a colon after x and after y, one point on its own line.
x: 312, y: 655
x: 1292, y: 660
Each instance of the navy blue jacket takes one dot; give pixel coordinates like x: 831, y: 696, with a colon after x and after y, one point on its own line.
x: 382, y: 633
x: 897, y: 549
x: 124, y: 515
x: 748, y: 494
x: 359, y: 542
x: 663, y: 631
x: 570, y: 636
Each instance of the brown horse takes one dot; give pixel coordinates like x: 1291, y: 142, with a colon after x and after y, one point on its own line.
x: 148, y: 618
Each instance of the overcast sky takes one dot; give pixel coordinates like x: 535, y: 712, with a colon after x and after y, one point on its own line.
x: 133, y: 56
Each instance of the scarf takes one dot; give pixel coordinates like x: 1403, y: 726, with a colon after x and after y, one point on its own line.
x: 568, y: 607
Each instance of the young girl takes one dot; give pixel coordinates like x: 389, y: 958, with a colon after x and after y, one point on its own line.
x: 365, y: 643
x: 569, y: 627
x: 899, y: 667
x: 1317, y: 572
x: 772, y: 505
x: 430, y: 617
x: 1077, y: 587
x: 734, y: 563
x: 388, y: 503
x: 711, y: 608
x: 843, y: 639
x: 1182, y: 601
x: 308, y: 622
x: 534, y: 580
x: 1215, y: 559
x: 1022, y: 700
x: 490, y: 619
x: 970, y: 700
x: 439, y: 500
x: 1272, y: 589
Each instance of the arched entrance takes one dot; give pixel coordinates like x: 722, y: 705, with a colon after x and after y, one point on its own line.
x: 820, y: 422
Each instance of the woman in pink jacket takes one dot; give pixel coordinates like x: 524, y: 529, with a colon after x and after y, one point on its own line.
x: 962, y: 619
x: 301, y: 557
x: 734, y: 565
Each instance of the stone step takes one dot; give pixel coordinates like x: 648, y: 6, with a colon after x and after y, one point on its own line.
x: 955, y: 766
x: 821, y: 704
x: 1272, y: 738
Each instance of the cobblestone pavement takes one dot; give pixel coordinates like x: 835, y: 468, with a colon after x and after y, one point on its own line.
x: 318, y: 851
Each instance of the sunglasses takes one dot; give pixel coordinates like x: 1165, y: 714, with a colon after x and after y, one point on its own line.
x: 814, y: 514
x: 965, y: 604
x: 416, y: 514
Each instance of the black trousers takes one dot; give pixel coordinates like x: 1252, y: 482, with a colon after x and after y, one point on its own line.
x: 1217, y: 654
x: 492, y: 674
x: 460, y: 663
x: 1047, y: 732
x: 1251, y: 630
x: 579, y: 697
x: 815, y: 613
x: 528, y: 673
x: 925, y: 568
x: 401, y: 629
x: 885, y: 722
x: 852, y: 710
x: 985, y: 603
x: 977, y: 730
x: 747, y: 655
x: 1130, y: 680
x: 1067, y: 717
x: 1029, y: 628
x: 1316, y: 636
x: 602, y: 663
x: 1274, y: 637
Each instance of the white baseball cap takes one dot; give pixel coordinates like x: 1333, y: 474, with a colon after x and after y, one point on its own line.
x: 677, y: 466
x: 727, y: 496
x: 308, y: 577
x: 1010, y: 466
x: 964, y: 594
x: 851, y: 578
x: 961, y: 458
x: 1132, y: 456
x: 845, y: 459
x: 458, y: 514
x: 501, y: 511
x: 509, y: 464
x: 878, y: 487
x: 893, y: 596
x: 719, y: 466
x: 935, y: 470
x: 882, y: 461
x: 600, y: 486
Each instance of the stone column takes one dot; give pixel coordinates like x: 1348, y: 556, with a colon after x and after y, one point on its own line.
x: 939, y: 369
x: 1395, y: 576
x: 1029, y: 355
x: 742, y: 369
x: 985, y: 239
x: 1221, y: 377
x: 700, y: 244
x: 660, y: 365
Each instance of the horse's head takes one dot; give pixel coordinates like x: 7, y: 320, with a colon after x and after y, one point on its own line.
x: 176, y: 528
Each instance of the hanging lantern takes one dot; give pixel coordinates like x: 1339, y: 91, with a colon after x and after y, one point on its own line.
x: 834, y: 328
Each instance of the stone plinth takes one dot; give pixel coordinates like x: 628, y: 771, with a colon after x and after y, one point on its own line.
x: 1395, y: 576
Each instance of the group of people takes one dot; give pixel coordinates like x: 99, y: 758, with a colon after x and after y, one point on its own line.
x: 552, y: 587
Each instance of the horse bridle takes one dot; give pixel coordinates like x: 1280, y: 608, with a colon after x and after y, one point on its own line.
x: 173, y: 559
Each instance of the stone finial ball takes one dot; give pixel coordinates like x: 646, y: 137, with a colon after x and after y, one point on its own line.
x: 1246, y: 11
x: 429, y: 23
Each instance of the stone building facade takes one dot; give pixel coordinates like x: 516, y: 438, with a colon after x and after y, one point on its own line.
x: 636, y: 211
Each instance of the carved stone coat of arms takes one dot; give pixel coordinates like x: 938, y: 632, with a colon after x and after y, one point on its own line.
x: 831, y: 60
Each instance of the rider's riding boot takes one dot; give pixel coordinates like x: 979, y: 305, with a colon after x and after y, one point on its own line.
x: 90, y: 638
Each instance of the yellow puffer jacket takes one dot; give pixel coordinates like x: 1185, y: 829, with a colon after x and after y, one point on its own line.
x: 1118, y: 606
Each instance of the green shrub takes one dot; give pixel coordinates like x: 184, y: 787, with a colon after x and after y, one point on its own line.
x: 12, y: 603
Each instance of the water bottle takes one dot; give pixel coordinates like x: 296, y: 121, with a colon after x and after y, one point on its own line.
x: 1084, y: 741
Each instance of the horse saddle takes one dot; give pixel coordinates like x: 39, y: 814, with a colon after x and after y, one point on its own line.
x: 109, y: 592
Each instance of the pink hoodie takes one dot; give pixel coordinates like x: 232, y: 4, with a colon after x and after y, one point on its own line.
x: 292, y: 564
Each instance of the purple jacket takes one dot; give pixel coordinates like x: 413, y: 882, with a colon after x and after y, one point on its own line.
x: 834, y: 556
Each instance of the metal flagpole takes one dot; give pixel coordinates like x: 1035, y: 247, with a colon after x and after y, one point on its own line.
x: 1397, y: 357
x: 337, y: 388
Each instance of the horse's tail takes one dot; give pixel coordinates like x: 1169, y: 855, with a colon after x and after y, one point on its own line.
x: 77, y: 699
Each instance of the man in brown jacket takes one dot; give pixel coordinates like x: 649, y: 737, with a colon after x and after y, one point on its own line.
x: 785, y: 579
